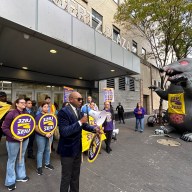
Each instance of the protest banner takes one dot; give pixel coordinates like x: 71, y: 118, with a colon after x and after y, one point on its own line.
x: 4, y: 108
x: 66, y: 92
x: 22, y: 127
x: 176, y: 103
x: 108, y: 94
x: 47, y: 124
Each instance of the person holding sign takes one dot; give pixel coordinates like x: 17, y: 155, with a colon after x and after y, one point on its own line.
x: 108, y: 126
x: 71, y: 122
x: 89, y: 136
x: 44, y: 138
x: 16, y: 170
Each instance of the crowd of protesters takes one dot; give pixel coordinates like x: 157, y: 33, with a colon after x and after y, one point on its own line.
x: 16, y: 170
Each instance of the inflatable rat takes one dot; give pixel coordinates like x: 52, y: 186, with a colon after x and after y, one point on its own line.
x: 179, y: 74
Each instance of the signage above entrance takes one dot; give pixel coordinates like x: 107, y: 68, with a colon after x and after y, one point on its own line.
x: 85, y: 16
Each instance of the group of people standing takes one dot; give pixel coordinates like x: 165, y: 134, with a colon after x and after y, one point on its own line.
x: 71, y: 121
x: 16, y: 170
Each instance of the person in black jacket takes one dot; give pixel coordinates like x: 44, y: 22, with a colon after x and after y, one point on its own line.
x: 71, y: 122
x: 120, y: 111
x: 29, y: 109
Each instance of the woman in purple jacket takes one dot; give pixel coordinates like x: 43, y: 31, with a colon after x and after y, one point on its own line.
x: 15, y: 170
x: 108, y: 126
x: 139, y: 112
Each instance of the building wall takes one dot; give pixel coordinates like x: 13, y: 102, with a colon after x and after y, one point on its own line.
x: 127, y: 98
x: 149, y: 73
x: 156, y: 99
x: 108, y: 8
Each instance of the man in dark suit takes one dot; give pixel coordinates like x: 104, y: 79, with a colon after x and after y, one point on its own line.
x: 71, y: 122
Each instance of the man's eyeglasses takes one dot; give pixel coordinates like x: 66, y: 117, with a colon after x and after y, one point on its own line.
x: 79, y: 99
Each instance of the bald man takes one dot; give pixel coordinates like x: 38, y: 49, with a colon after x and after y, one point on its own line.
x: 71, y: 122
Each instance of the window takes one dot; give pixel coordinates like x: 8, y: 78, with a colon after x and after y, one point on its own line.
x: 134, y: 47
x: 159, y: 84
x: 6, y: 86
x: 131, y: 84
x: 121, y: 83
x: 155, y: 83
x: 116, y: 32
x: 97, y: 20
x: 111, y: 83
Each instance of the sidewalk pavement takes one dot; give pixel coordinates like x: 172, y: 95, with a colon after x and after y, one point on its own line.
x: 137, y: 164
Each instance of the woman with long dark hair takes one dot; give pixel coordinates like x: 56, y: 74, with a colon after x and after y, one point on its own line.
x: 43, y: 142
x: 15, y: 170
x: 139, y: 112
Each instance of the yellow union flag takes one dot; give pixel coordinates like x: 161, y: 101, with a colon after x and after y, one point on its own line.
x: 176, y: 103
x: 88, y: 136
x: 4, y: 107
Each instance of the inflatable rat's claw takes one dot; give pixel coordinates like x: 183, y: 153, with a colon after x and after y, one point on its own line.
x: 187, y: 137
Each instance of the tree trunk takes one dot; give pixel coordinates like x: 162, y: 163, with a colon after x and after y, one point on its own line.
x: 161, y: 102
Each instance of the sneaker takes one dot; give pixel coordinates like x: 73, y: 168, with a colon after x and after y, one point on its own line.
x: 24, y: 179
x: 11, y: 187
x: 39, y: 171
x: 49, y: 166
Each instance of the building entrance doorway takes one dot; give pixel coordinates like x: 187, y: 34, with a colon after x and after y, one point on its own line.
x: 38, y: 92
x: 146, y: 103
x: 40, y: 96
x: 58, y: 99
x: 17, y: 93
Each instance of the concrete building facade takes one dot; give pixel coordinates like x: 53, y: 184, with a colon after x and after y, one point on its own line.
x: 90, y: 50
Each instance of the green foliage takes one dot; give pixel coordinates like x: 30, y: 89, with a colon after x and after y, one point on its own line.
x: 166, y: 24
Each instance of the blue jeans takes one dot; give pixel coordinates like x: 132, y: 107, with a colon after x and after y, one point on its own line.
x: 140, y: 123
x: 15, y: 171
x: 43, y: 148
